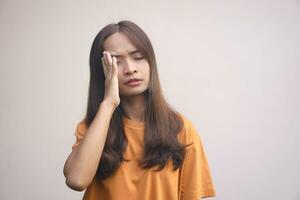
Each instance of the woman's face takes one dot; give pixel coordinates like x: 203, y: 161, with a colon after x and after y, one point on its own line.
x: 131, y: 64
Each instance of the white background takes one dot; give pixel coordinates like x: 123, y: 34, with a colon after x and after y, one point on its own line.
x: 232, y: 67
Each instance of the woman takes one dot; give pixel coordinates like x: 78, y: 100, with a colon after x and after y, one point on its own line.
x: 132, y: 144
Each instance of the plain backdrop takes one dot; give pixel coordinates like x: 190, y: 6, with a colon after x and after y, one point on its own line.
x: 232, y: 67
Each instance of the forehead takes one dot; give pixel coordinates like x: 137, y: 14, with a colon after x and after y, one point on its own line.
x: 118, y: 43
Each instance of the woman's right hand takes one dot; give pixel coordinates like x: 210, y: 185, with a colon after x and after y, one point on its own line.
x: 110, y: 68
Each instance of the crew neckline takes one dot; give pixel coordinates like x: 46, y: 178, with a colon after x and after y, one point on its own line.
x: 132, y: 123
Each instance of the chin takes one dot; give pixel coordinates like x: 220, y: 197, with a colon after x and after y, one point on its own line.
x: 133, y: 92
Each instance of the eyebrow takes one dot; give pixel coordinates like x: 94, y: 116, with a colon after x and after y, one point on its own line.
x: 132, y: 52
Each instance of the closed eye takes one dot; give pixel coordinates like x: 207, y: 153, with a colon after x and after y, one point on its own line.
x: 137, y: 58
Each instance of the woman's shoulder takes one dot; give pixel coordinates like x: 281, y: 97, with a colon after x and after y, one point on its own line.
x: 187, y: 123
x: 186, y: 120
x: 189, y: 132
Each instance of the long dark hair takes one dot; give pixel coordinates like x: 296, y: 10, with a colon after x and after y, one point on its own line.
x: 162, y: 123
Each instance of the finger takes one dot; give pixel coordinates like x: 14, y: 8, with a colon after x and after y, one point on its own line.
x: 103, y: 66
x: 108, y: 66
x: 108, y: 60
x: 114, y: 67
x: 105, y: 58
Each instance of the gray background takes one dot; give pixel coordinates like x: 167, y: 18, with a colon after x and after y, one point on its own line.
x: 232, y: 67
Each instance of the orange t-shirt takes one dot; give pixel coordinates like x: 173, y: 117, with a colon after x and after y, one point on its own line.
x: 190, y: 182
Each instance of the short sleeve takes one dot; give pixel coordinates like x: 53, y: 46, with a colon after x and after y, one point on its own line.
x: 196, y: 181
x: 80, y: 132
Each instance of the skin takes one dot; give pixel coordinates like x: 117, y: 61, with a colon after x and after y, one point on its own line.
x: 126, y: 67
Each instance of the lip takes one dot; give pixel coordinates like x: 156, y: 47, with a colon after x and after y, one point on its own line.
x: 133, y: 82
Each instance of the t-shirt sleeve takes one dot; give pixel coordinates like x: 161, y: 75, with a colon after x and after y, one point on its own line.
x: 196, y: 178
x: 80, y: 132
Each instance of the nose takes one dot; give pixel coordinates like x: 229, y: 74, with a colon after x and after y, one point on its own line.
x: 130, y: 67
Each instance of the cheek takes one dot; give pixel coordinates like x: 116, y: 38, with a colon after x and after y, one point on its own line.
x: 147, y: 72
x: 119, y: 74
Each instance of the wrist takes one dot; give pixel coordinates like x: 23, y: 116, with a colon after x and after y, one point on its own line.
x: 108, y: 104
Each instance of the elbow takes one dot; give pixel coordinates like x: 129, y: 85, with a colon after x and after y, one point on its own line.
x: 75, y: 184
x: 72, y: 181
x: 75, y: 180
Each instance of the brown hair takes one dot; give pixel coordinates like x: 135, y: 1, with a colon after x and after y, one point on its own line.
x: 162, y: 122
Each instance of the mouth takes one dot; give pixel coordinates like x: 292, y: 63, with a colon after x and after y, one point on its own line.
x: 133, y: 82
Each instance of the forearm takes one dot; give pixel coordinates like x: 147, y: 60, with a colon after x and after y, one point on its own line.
x: 82, y: 164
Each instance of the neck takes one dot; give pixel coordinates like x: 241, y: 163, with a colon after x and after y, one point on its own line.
x: 134, y: 107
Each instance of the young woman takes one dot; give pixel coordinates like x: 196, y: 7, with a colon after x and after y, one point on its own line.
x: 132, y: 144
